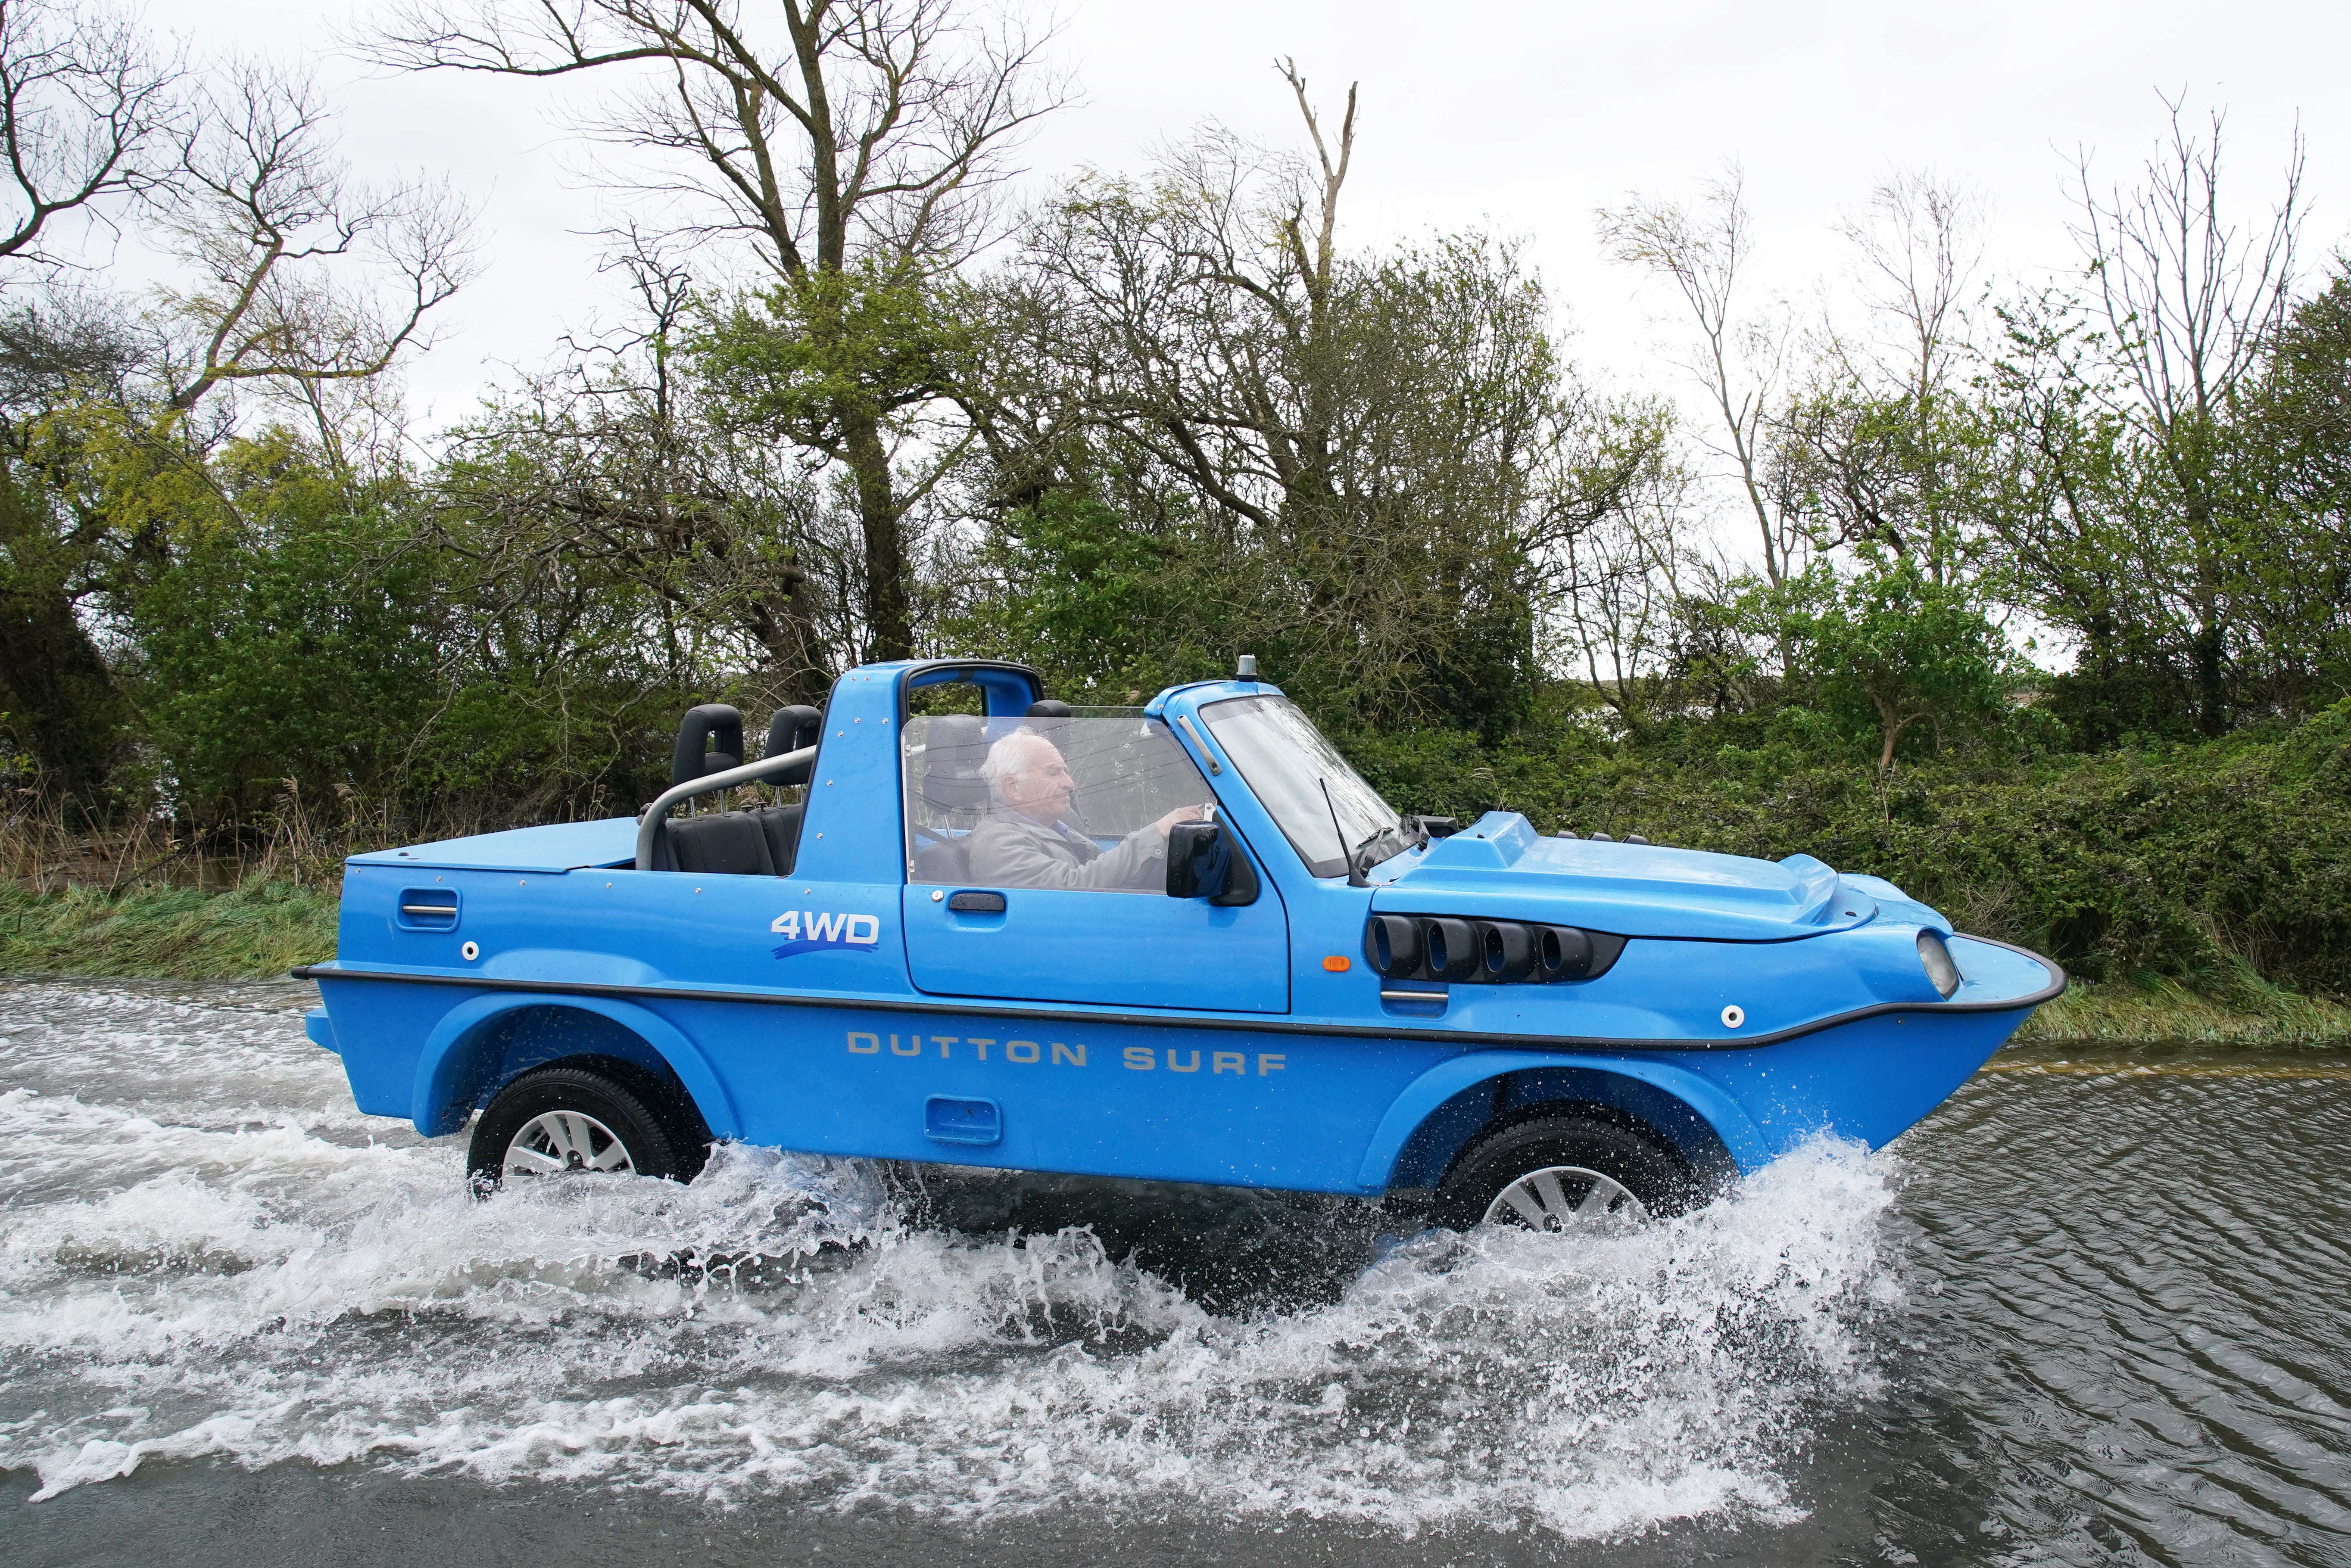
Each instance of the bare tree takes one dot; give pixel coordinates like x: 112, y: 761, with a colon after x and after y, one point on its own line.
x: 1740, y: 358
x: 303, y: 277
x: 1870, y: 439
x: 856, y: 143
x: 605, y: 476
x: 2192, y: 301
x: 87, y: 110
x: 1612, y: 597
x: 1917, y: 242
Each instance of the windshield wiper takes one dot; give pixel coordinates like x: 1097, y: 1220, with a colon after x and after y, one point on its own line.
x: 1404, y: 842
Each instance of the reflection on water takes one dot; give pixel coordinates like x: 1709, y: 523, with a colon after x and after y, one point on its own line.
x: 2130, y: 1292
x: 2088, y: 1310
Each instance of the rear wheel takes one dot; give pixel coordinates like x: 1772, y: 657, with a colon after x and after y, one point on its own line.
x: 1562, y: 1172
x: 565, y: 1121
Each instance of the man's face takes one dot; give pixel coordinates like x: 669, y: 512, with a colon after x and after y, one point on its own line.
x: 1041, y: 787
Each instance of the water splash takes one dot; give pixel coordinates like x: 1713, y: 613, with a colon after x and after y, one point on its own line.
x: 258, y: 1280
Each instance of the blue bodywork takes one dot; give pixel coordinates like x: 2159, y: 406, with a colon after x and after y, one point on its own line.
x: 1151, y: 1036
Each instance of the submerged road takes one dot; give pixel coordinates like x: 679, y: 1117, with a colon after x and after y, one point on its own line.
x: 2097, y: 1309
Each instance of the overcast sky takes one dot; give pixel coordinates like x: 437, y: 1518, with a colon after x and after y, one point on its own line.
x: 1518, y: 117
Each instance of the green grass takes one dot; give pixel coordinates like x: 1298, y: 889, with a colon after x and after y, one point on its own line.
x: 2249, y: 1013
x: 262, y: 930
x: 248, y: 932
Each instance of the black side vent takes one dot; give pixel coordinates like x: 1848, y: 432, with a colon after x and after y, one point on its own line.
x: 1485, y: 953
x: 428, y: 909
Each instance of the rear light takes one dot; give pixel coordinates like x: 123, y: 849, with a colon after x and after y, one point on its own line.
x: 1936, y: 958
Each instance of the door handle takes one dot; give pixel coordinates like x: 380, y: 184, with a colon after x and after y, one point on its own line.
x: 971, y: 903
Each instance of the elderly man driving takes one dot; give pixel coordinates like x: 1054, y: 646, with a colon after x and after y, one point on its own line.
x: 1025, y: 843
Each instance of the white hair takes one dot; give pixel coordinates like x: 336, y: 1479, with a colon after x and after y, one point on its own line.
x: 1004, y: 760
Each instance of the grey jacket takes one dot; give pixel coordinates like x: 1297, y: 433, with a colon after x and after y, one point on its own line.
x: 1010, y: 850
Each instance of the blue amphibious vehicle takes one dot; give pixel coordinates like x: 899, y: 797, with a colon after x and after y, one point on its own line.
x: 963, y: 923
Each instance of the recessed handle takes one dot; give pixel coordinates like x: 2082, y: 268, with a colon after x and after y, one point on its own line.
x: 975, y: 903
x: 948, y: 1119
x: 428, y: 909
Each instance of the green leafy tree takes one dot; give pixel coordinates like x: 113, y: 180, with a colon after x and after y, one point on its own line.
x: 2292, y: 456
x: 2190, y: 302
x: 1890, y: 648
x: 2074, y: 516
x: 291, y: 651
x: 1374, y: 460
x: 1099, y: 606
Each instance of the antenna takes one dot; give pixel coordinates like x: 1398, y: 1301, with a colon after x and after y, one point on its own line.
x: 1356, y: 878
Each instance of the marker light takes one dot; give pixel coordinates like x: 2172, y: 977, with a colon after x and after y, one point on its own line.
x: 1937, y: 959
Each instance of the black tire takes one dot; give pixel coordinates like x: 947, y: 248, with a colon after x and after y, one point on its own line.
x: 1643, y: 1166
x: 656, y: 1144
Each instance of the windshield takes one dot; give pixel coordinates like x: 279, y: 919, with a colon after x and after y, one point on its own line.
x: 1288, y: 763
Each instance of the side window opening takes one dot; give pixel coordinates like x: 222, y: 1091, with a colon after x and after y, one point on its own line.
x: 1076, y: 802
x: 946, y: 697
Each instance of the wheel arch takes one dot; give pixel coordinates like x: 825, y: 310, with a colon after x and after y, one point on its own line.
x: 483, y: 1043
x: 1445, y: 1109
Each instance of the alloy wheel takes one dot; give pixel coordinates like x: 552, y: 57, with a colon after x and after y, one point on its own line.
x: 1563, y: 1197
x: 556, y: 1143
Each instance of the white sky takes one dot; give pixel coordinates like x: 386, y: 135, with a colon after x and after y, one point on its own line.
x: 1520, y: 117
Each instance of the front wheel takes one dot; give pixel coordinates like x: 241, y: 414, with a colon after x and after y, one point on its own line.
x: 564, y: 1121
x: 1562, y: 1172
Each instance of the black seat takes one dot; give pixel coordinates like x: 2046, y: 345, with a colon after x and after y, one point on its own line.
x: 723, y: 843
x: 953, y: 789
x: 943, y: 860
x: 761, y: 842
x: 781, y: 825
x: 953, y: 747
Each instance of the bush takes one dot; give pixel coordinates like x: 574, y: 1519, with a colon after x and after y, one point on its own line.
x: 2194, y: 861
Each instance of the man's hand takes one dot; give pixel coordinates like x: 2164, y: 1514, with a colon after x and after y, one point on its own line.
x: 1181, y: 814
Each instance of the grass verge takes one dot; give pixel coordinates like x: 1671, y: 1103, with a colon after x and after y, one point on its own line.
x: 249, y: 932
x: 2144, y: 1012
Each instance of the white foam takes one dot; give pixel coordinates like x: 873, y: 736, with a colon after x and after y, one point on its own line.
x: 249, y: 1283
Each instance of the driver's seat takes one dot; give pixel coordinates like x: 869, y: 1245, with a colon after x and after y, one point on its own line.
x: 952, y: 787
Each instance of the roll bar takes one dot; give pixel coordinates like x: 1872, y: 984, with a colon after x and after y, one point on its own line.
x: 792, y: 767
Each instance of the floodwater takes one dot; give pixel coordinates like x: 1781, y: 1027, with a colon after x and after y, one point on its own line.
x: 2092, y: 1311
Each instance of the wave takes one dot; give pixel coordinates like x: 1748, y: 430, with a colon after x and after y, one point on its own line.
x: 262, y: 1282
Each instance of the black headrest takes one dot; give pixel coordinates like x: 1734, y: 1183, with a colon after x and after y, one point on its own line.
x: 792, y: 728
x: 958, y: 738
x: 695, y: 754
x: 1048, y: 708
x: 954, y: 748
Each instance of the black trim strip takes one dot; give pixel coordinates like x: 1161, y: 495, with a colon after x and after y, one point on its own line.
x: 1269, y: 1025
